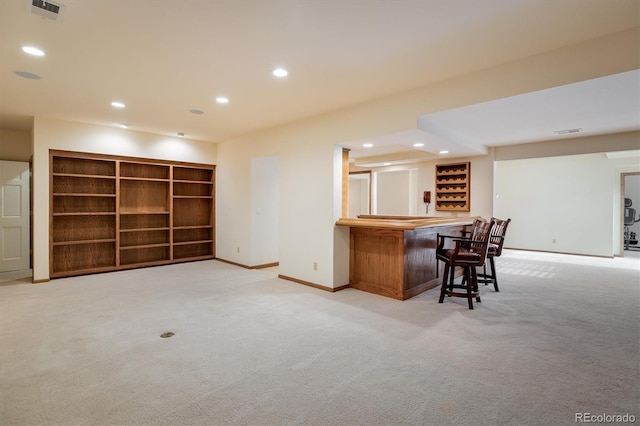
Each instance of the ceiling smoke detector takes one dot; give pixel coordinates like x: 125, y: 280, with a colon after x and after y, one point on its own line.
x: 47, y: 9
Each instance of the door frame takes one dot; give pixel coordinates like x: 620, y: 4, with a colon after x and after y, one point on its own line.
x: 622, y: 197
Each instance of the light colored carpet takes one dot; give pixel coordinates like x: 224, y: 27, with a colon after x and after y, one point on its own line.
x: 562, y: 337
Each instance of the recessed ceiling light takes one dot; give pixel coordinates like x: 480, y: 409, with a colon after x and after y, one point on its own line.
x: 180, y: 134
x: 123, y: 125
x: 444, y: 152
x: 222, y: 100
x: 417, y: 144
x: 367, y: 145
x: 117, y: 104
x: 386, y: 164
x: 280, y: 72
x: 29, y: 75
x: 32, y: 51
x: 196, y: 111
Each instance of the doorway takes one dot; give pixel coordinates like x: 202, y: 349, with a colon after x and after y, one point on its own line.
x: 631, y: 213
x: 265, y: 212
x: 14, y: 216
x: 359, y: 193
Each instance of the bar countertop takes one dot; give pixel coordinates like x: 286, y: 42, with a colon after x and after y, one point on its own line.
x: 402, y: 222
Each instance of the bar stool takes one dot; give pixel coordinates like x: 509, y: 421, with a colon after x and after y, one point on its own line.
x: 468, y: 253
x: 496, y: 242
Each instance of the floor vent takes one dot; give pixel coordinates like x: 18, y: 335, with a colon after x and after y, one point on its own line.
x: 47, y: 9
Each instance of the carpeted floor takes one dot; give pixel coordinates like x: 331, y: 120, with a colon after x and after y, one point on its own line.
x: 562, y: 337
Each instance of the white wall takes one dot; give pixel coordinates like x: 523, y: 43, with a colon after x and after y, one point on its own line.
x: 233, y: 204
x: 54, y: 134
x: 307, y: 213
x: 561, y: 204
x: 395, y: 192
x: 15, y: 145
x: 480, y: 191
x: 359, y: 190
x: 265, y: 210
x: 309, y: 173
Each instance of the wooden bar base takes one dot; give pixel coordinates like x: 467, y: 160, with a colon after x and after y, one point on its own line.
x: 397, y: 263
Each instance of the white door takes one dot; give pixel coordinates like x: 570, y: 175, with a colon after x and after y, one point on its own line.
x: 14, y: 216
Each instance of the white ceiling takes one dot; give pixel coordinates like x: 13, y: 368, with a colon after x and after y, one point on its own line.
x: 164, y: 57
x: 594, y: 107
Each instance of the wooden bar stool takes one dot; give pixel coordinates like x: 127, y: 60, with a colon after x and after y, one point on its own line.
x: 468, y: 253
x: 496, y: 242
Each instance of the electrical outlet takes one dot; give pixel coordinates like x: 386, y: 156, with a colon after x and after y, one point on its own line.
x: 315, y: 266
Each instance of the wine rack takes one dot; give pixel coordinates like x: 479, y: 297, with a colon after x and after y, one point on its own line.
x: 453, y: 187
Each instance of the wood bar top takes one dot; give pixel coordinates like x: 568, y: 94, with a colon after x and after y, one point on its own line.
x: 402, y: 222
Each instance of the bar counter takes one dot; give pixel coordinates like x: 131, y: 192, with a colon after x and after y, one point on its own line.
x: 395, y: 256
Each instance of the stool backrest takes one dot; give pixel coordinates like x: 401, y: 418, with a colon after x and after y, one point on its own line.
x: 498, y: 233
x: 474, y: 228
x: 479, y: 242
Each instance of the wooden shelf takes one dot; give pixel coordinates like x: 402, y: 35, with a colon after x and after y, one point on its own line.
x: 193, y: 174
x: 453, y: 183
x: 198, y: 249
x: 75, y: 164
x: 65, y: 243
x: 192, y: 211
x: 76, y: 272
x: 144, y: 239
x: 192, y: 189
x: 83, y: 176
x: 83, y: 227
x: 78, y: 184
x: 143, y: 213
x: 146, y: 264
x: 85, y: 214
x: 110, y: 213
x: 192, y: 234
x: 135, y: 221
x: 143, y: 246
x: 143, y: 255
x: 193, y: 258
x: 84, y: 257
x: 144, y: 178
x: 192, y: 181
x: 149, y: 171
x: 144, y: 229
x: 69, y: 194
x: 447, y: 190
x: 191, y: 242
x: 144, y: 196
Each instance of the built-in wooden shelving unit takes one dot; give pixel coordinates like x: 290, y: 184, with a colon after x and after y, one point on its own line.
x: 110, y: 213
x: 453, y: 183
x: 193, y: 231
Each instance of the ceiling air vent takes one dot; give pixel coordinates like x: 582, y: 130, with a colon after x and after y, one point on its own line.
x: 567, y: 131
x: 47, y: 9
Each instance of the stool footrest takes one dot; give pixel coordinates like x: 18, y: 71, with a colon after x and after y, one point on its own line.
x: 465, y: 294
